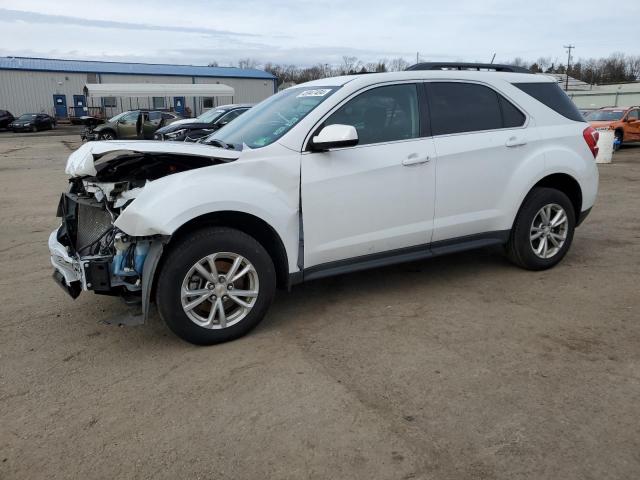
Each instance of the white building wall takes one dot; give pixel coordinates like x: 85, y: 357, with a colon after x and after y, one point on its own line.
x: 31, y: 91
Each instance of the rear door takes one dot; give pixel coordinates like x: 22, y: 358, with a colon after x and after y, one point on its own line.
x: 377, y: 196
x: 480, y: 141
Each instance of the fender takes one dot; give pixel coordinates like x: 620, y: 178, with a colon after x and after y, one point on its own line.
x: 267, y: 189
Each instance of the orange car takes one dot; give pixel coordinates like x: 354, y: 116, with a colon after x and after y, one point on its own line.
x: 625, y: 121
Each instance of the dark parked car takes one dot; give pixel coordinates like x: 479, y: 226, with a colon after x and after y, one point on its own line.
x: 32, y: 122
x: 5, y: 118
x: 208, y: 122
x: 131, y: 125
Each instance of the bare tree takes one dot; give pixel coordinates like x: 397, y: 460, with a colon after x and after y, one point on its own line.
x: 398, y: 64
x: 247, y: 63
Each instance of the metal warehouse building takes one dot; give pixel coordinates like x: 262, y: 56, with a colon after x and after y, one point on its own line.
x: 57, y: 87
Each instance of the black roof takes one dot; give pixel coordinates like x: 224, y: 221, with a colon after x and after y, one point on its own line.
x: 467, y: 66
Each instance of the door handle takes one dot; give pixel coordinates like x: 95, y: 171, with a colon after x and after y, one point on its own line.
x: 415, y: 159
x: 515, y: 142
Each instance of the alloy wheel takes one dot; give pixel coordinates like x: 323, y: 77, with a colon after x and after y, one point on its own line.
x: 549, y: 230
x: 219, y: 290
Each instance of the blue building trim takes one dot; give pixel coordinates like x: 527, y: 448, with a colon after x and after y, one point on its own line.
x: 87, y: 66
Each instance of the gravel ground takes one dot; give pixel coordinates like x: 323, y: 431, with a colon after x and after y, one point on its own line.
x: 460, y: 367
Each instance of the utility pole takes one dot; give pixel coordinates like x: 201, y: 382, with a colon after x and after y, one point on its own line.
x: 493, y: 58
x: 417, y: 57
x: 569, y: 48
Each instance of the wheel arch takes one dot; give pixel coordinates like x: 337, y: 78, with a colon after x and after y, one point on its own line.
x: 247, y: 223
x: 567, y: 185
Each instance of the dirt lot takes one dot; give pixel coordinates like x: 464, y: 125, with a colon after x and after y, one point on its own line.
x: 462, y: 367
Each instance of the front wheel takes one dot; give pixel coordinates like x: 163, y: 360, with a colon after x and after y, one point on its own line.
x: 108, y: 135
x: 215, y: 285
x: 543, y: 230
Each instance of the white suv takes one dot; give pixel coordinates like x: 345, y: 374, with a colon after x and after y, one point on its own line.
x: 328, y: 177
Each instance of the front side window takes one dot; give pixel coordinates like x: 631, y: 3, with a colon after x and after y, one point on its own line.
x: 634, y: 115
x: 382, y: 114
x: 271, y: 119
x: 130, y: 117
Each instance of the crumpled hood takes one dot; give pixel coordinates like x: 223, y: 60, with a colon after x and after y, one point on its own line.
x: 82, y: 161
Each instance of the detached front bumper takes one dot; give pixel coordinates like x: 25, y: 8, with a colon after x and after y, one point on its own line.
x: 68, y: 271
x: 89, y: 136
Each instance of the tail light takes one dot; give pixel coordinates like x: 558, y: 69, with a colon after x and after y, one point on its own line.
x: 591, y: 136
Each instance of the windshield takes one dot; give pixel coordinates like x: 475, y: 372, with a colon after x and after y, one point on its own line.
x: 27, y: 116
x: 271, y: 119
x: 605, y: 115
x: 210, y: 115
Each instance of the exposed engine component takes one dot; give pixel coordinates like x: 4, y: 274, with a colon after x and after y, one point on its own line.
x: 111, y: 261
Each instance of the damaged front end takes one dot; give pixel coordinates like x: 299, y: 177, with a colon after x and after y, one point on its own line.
x: 88, y: 252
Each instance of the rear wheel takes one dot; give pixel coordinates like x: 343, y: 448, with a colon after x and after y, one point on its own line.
x: 215, y: 286
x: 543, y: 230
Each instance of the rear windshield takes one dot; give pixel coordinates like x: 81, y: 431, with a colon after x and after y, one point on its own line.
x: 553, y: 97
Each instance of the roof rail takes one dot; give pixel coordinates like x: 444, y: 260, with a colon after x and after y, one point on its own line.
x: 467, y: 66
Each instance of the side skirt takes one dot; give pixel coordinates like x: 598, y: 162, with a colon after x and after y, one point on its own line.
x: 402, y: 255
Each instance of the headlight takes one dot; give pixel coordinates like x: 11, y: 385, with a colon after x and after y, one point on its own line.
x: 176, y: 134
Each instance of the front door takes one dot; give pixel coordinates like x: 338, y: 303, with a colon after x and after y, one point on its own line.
x: 129, y: 126
x: 178, y: 105
x: 60, y: 105
x: 633, y: 125
x: 79, y: 105
x: 377, y: 196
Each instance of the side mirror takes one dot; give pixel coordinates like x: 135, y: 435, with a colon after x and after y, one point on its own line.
x: 334, y: 136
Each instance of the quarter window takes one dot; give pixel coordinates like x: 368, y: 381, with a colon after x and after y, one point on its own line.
x: 511, y: 116
x: 382, y: 114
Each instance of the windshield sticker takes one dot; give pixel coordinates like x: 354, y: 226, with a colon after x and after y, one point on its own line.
x: 318, y: 92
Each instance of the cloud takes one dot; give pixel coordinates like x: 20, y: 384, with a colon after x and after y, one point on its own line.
x: 306, y: 32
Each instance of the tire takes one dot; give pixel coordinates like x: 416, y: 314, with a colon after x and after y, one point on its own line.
x: 179, y: 272
x: 107, y: 135
x: 525, y: 247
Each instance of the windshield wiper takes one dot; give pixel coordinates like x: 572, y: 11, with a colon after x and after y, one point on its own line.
x: 215, y: 141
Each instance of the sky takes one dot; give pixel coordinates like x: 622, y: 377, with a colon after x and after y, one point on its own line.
x: 304, y: 33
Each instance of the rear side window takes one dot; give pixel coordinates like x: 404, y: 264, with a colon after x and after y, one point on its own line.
x: 467, y: 107
x: 553, y: 97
